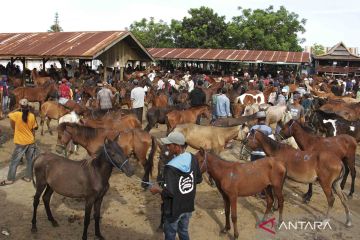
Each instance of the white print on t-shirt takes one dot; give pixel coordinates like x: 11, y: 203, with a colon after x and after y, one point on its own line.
x: 186, y: 184
x: 294, y: 112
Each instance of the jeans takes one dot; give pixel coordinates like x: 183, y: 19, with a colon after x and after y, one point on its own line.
x: 18, y: 153
x: 139, y: 113
x: 180, y: 226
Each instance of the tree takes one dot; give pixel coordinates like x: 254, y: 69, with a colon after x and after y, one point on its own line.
x: 317, y: 49
x: 203, y: 29
x: 56, y: 26
x: 152, y: 34
x: 266, y: 30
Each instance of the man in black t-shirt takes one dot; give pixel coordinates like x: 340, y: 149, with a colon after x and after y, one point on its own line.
x: 181, y: 174
x: 197, y: 96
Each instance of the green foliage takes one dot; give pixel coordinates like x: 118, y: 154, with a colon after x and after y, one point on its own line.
x: 266, y: 30
x: 203, y: 29
x: 253, y: 29
x: 317, y: 49
x: 152, y: 34
x: 56, y: 26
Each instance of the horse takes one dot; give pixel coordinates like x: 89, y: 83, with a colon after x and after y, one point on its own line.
x: 306, y: 167
x: 35, y: 94
x: 235, y: 179
x: 190, y: 115
x: 133, y: 141
x: 88, y: 179
x: 231, y: 122
x: 120, y: 123
x: 51, y: 110
x: 210, y: 137
x: 38, y: 80
x: 157, y: 115
x: 343, y: 146
x: 275, y: 115
x: 158, y: 99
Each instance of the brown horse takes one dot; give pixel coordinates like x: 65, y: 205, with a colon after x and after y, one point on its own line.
x: 157, y: 99
x: 343, y: 146
x: 121, y: 123
x: 134, y: 141
x: 306, y: 167
x: 35, y: 94
x: 51, y: 110
x: 38, y: 80
x: 87, y: 179
x: 212, y: 90
x: 186, y: 116
x: 235, y: 179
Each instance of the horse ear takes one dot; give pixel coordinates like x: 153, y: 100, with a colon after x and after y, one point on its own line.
x: 106, y: 141
x: 117, y: 138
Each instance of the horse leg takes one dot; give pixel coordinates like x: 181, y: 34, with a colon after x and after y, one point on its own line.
x: 97, y: 207
x: 46, y: 199
x: 326, y: 186
x: 39, y: 189
x: 48, y: 125
x: 307, y: 196
x: 353, y: 176
x: 227, y: 213
x: 42, y: 124
x: 88, y: 206
x: 233, y: 204
x: 341, y: 195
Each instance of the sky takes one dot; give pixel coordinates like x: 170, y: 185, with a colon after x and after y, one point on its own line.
x: 328, y: 21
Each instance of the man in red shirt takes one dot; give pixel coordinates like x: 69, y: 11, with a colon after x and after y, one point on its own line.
x: 64, y: 92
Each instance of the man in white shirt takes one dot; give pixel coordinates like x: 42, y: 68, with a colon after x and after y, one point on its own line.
x: 187, y: 76
x: 190, y: 84
x: 137, y: 96
x: 152, y: 75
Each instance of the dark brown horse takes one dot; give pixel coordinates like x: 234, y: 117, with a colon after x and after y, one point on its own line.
x: 190, y: 115
x: 343, y: 146
x: 87, y: 179
x: 306, y: 167
x: 235, y: 179
x: 135, y: 141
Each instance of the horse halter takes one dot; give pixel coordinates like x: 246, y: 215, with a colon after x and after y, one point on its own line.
x: 112, y: 161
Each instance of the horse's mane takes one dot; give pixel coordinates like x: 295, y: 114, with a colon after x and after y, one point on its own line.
x: 82, y: 131
x: 273, y: 144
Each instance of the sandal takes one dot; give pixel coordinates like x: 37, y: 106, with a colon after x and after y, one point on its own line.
x: 6, y: 182
x: 26, y: 179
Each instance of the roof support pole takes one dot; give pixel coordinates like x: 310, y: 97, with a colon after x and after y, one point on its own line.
x: 44, y: 60
x: 62, y: 62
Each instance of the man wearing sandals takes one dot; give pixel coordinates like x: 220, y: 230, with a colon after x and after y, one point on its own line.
x: 24, y: 124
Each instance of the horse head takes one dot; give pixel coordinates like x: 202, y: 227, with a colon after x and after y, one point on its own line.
x: 116, y: 156
x: 286, y: 130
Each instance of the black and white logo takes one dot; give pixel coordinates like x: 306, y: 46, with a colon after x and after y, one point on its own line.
x: 186, y: 184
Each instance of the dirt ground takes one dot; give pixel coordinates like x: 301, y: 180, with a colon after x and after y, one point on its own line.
x: 128, y: 212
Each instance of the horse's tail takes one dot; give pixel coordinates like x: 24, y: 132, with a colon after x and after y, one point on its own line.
x: 150, y: 161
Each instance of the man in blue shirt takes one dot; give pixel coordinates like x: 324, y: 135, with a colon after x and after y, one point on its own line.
x: 181, y: 175
x: 223, y: 105
x: 262, y: 127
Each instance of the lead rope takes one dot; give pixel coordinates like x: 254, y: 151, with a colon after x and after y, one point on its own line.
x: 136, y: 178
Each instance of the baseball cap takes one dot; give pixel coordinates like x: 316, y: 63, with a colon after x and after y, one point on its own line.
x: 23, y: 102
x: 284, y: 90
x: 135, y: 81
x: 174, y: 138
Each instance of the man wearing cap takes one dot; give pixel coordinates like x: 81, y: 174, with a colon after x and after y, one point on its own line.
x: 296, y: 109
x: 64, y: 92
x: 24, y: 124
x: 104, y: 96
x: 281, y: 98
x: 262, y: 127
x: 137, y: 97
x: 181, y: 174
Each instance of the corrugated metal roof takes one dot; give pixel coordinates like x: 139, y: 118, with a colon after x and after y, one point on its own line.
x: 229, y: 55
x: 60, y: 44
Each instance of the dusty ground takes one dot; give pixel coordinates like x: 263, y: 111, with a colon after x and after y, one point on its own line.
x: 128, y: 212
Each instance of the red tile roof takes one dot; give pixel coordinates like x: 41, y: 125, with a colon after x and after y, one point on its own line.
x: 228, y: 55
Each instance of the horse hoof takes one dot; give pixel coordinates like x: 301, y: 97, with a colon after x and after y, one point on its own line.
x: 51, y: 133
x: 306, y: 199
x: 348, y: 223
x: 224, y: 230
x: 54, y: 223
x: 34, y: 229
x: 350, y: 196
